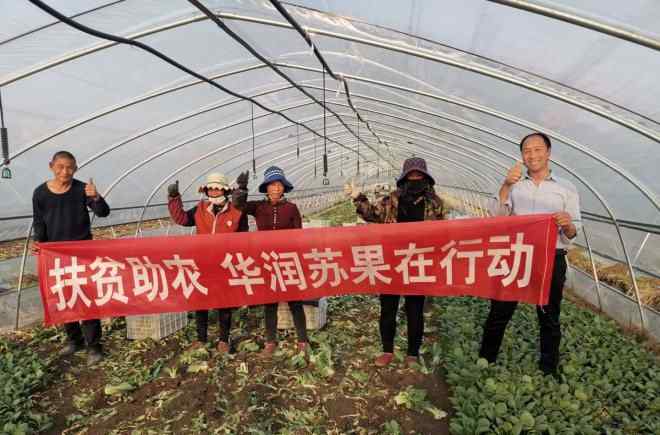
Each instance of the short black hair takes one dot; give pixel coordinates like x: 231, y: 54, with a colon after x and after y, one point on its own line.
x: 543, y: 136
x: 63, y: 155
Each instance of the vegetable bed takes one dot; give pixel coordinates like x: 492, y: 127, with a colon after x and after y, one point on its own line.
x: 609, y: 383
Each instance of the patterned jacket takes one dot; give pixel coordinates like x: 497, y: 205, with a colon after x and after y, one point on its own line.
x: 387, y: 208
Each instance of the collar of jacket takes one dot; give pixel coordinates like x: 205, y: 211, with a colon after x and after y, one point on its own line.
x: 209, y: 208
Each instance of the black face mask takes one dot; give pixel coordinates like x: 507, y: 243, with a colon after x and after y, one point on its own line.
x: 415, y: 187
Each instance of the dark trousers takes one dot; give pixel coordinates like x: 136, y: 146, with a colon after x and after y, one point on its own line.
x: 224, y: 323
x: 299, y: 320
x: 548, y: 315
x: 414, y: 307
x: 89, y: 333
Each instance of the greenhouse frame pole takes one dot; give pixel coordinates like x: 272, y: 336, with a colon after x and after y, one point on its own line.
x: 587, y: 23
x: 594, y: 271
x: 21, y: 273
x: 465, y: 65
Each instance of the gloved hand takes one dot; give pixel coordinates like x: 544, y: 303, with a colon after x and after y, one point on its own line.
x: 242, y: 180
x: 350, y: 189
x: 173, y: 189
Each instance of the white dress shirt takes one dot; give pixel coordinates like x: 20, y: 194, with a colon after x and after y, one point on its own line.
x: 552, y: 195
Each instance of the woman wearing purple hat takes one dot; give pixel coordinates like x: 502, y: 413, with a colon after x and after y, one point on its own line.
x: 414, y: 200
x: 274, y: 213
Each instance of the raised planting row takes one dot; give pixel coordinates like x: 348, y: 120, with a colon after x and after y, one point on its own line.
x: 609, y: 383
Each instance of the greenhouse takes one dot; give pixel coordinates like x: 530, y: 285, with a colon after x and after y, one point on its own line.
x: 146, y: 94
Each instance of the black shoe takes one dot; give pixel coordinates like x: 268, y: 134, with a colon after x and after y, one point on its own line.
x: 94, y: 356
x: 70, y: 348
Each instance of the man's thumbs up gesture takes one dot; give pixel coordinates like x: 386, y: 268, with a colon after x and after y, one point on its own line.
x: 515, y: 174
x: 90, y: 190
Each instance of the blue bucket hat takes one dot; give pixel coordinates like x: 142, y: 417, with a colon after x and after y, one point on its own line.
x: 275, y: 174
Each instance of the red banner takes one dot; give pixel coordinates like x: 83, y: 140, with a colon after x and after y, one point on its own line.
x: 505, y: 258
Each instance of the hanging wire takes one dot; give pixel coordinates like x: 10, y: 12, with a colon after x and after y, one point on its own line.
x: 220, y: 23
x: 358, y: 150
x: 314, y: 157
x: 325, y: 134
x: 4, y: 137
x: 326, y: 67
x: 2, y: 112
x: 341, y: 165
x: 121, y: 40
x: 378, y: 160
x: 298, y: 142
x: 254, y: 160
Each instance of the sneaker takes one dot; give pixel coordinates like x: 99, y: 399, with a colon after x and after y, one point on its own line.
x: 94, y: 356
x: 269, y: 349
x: 384, y: 360
x: 70, y: 348
x: 222, y: 347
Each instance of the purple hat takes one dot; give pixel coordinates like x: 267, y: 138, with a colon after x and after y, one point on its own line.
x: 414, y: 164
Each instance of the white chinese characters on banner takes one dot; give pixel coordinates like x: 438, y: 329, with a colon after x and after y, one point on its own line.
x: 148, y: 278
x: 249, y: 275
x: 419, y: 262
x: 285, y: 269
x: 109, y: 284
x: 369, y: 262
x: 497, y: 257
x: 519, y: 248
x: 472, y: 258
x: 69, y: 276
x: 186, y: 277
x: 498, y: 266
x: 323, y: 265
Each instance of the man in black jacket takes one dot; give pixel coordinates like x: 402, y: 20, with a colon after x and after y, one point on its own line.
x: 60, y: 214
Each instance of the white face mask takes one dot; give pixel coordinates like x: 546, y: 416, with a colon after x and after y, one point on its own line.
x: 218, y: 200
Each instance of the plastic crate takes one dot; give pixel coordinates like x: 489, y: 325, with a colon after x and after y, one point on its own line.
x: 316, y: 316
x: 316, y: 223
x: 155, y: 326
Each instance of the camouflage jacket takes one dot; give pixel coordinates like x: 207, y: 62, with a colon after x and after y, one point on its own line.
x: 386, y: 209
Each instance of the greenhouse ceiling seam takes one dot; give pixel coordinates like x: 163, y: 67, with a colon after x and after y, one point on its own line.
x: 239, y: 71
x: 201, y: 158
x: 188, y: 141
x: 53, y: 23
x: 326, y: 66
x: 481, y: 57
x: 441, y: 139
x: 634, y: 126
x: 510, y: 118
x: 650, y: 197
x: 218, y: 22
x: 118, y: 39
x: 585, y: 22
x: 335, y: 157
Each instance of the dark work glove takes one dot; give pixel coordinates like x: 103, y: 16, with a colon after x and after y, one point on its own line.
x: 173, y: 189
x: 242, y: 180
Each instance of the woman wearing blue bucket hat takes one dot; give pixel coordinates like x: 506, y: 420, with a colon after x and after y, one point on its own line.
x: 274, y: 213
